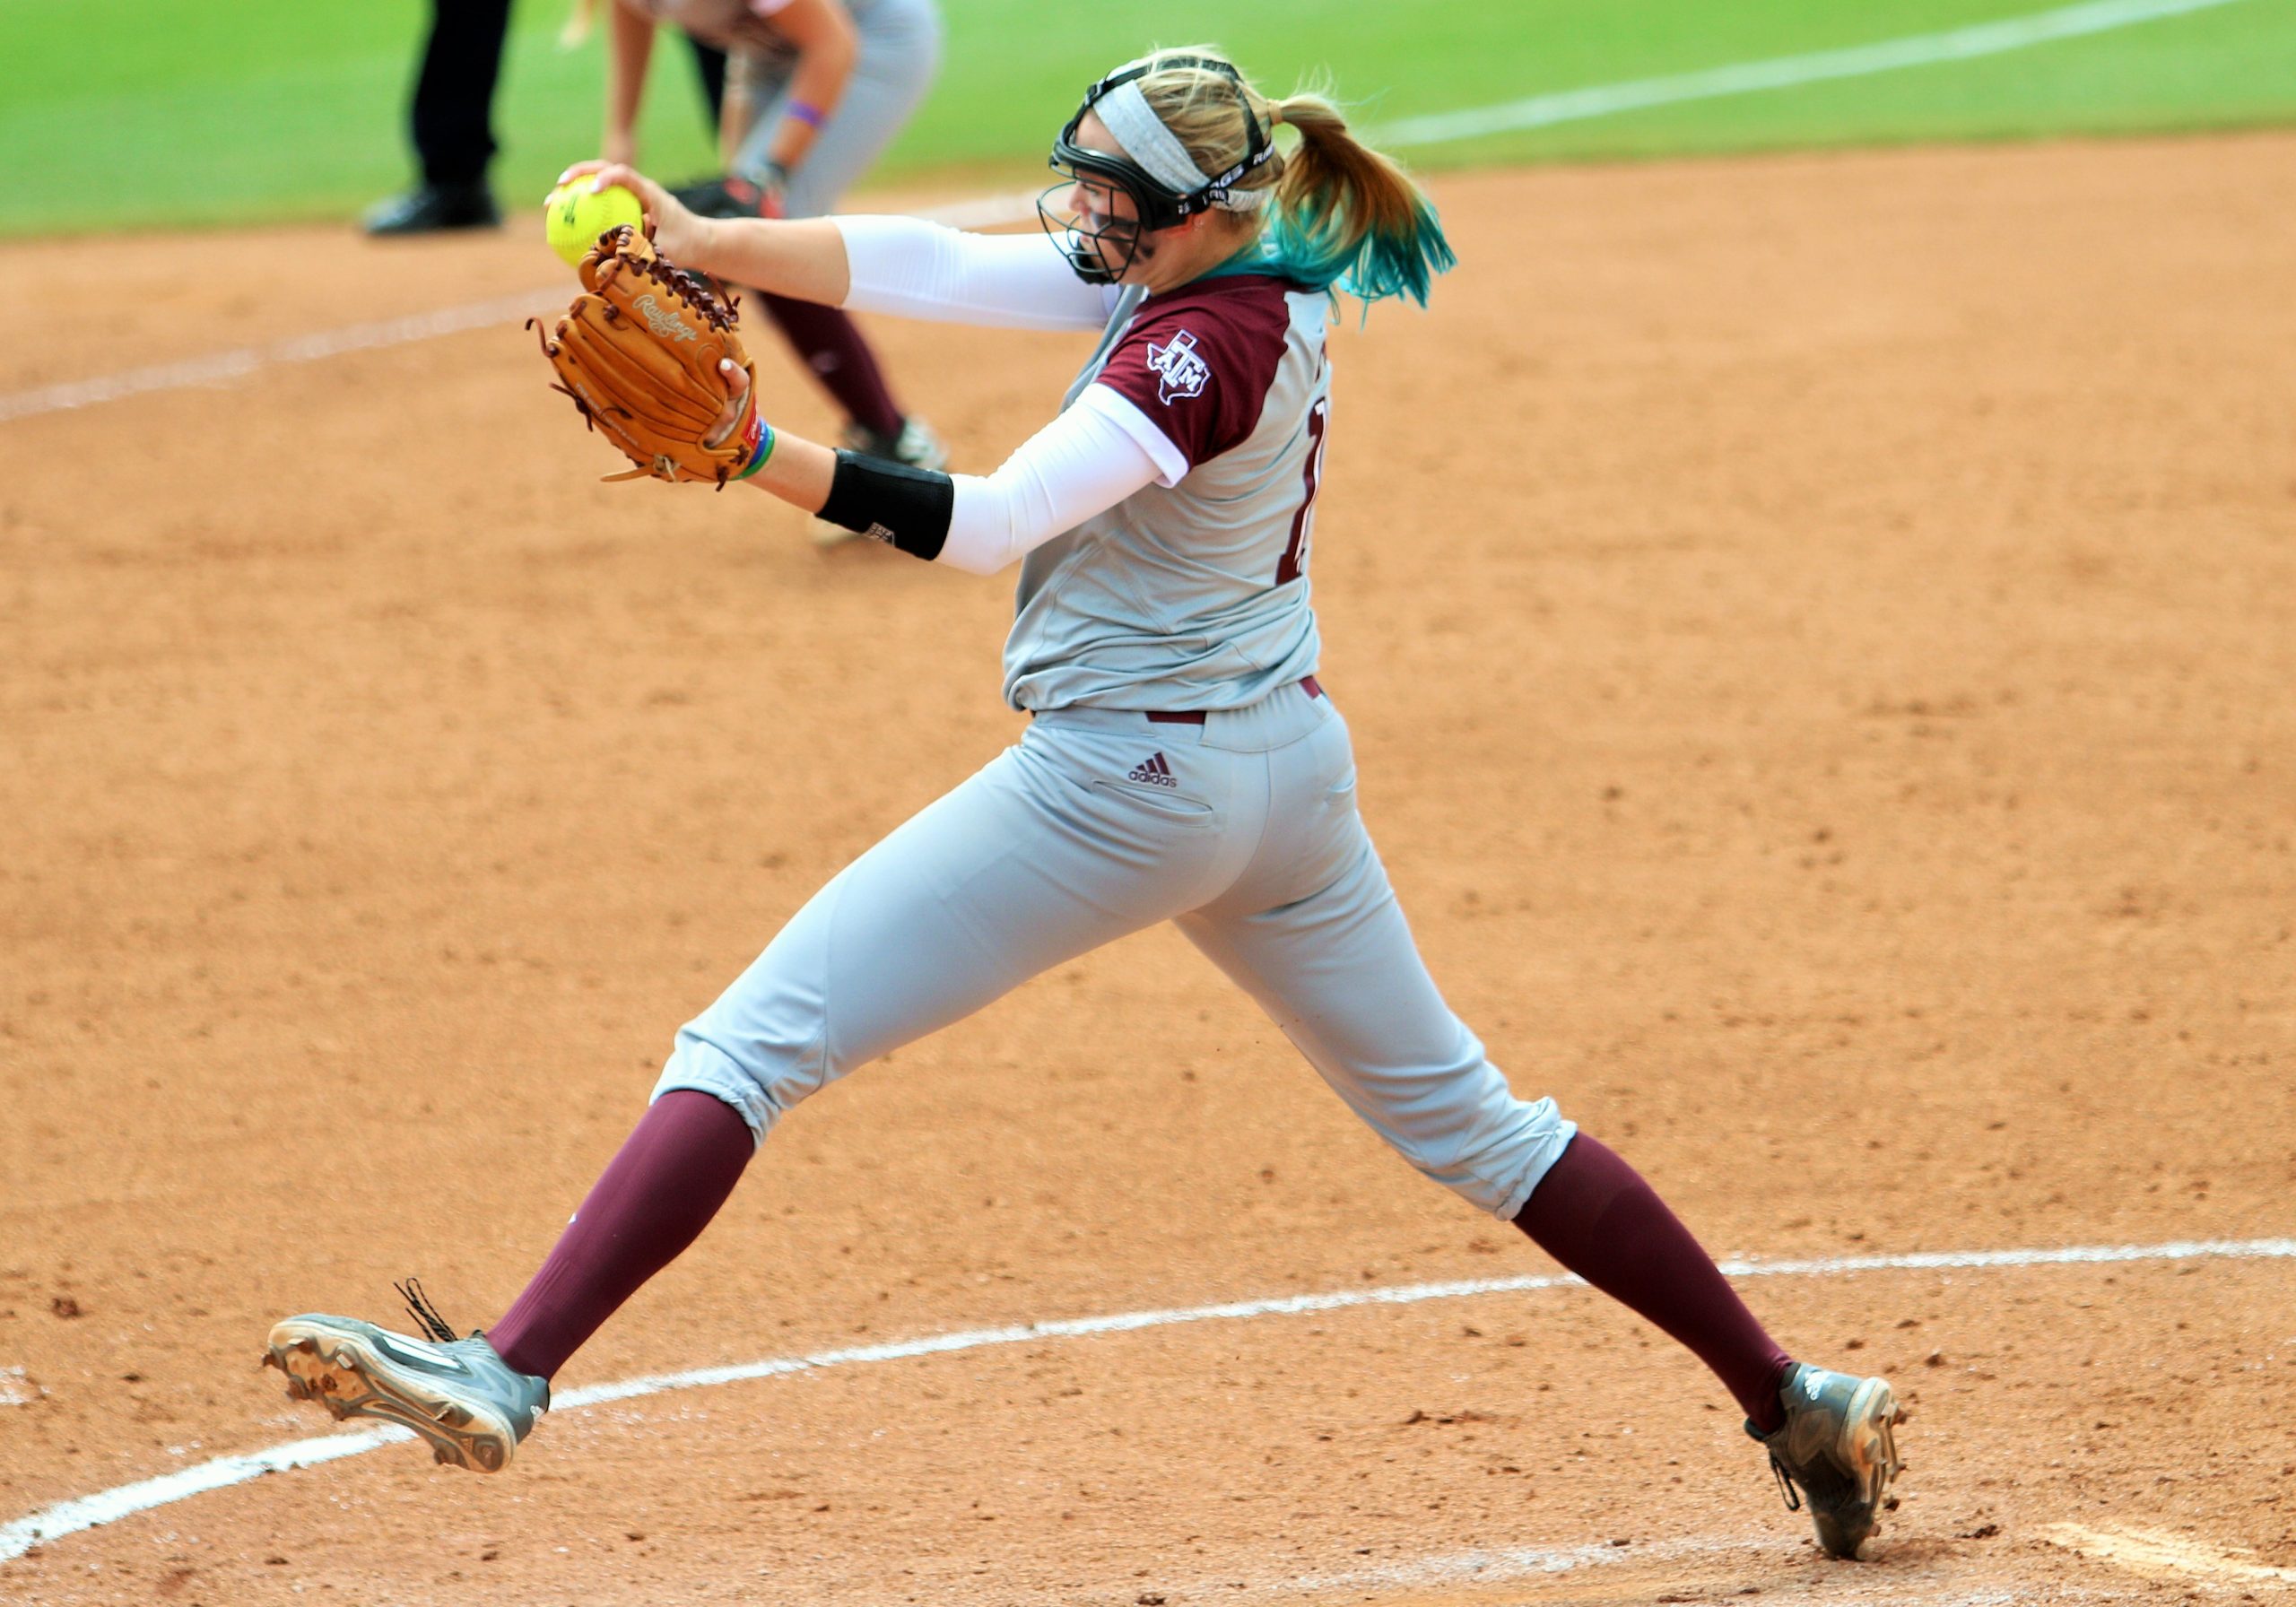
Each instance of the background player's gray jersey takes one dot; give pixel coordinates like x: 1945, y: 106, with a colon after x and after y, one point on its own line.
x: 1192, y: 595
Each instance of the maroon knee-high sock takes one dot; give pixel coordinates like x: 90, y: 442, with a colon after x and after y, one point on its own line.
x: 671, y: 1174
x: 831, y: 345
x: 1594, y: 1214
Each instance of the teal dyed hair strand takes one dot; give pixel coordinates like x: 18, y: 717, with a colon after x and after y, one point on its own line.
x: 1313, y: 249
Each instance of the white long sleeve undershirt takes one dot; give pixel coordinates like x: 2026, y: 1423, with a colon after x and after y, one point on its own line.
x: 1092, y: 456
x: 1097, y: 453
x: 919, y: 270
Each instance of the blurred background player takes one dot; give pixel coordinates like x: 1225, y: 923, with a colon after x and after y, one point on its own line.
x: 452, y: 117
x: 814, y: 91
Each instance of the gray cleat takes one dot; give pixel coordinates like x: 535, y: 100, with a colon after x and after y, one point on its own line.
x: 1840, y: 1448
x: 458, y: 1394
x: 914, y: 445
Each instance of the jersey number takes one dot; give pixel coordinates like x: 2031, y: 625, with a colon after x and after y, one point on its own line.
x: 1295, y: 554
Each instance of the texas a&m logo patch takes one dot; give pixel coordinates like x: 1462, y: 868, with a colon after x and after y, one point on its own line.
x: 1178, y: 370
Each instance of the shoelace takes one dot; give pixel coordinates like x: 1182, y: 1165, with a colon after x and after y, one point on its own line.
x: 1785, y: 1485
x: 436, y: 1326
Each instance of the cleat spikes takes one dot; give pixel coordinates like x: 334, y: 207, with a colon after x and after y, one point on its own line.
x: 456, y: 1394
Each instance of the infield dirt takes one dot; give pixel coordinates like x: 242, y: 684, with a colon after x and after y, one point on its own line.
x: 1818, y: 633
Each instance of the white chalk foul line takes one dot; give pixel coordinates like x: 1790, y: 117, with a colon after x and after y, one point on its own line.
x: 1538, y: 111
x: 106, y: 1507
x: 219, y: 366
x: 1481, y: 1569
x: 1787, y: 71
x: 2156, y: 1554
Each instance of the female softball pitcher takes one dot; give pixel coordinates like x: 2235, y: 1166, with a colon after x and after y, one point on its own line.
x: 1183, y: 763
x: 815, y: 90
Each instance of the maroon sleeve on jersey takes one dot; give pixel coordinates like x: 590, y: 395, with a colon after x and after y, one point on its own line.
x: 1198, y: 362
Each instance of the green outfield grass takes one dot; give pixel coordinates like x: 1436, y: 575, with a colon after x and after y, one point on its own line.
x: 134, y: 113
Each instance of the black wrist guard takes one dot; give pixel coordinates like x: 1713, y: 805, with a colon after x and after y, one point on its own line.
x: 891, y: 502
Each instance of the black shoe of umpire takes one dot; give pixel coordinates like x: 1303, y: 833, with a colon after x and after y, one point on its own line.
x: 432, y: 207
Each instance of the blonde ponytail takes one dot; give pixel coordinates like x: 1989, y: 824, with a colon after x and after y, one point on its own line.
x: 1341, y: 202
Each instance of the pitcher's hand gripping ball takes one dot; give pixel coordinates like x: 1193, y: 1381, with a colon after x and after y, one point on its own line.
x: 639, y: 354
x: 574, y: 216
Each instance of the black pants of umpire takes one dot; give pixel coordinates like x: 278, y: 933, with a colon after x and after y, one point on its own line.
x: 454, y: 95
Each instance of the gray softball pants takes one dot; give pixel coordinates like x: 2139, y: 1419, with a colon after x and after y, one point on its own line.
x: 1243, y: 831
x: 899, y: 52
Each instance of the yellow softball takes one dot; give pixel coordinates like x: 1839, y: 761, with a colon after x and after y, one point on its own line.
x: 575, y: 215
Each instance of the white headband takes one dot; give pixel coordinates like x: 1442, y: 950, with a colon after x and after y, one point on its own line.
x: 1157, y: 150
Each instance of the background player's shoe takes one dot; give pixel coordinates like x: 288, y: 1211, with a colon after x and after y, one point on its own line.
x: 456, y: 1394
x: 1840, y: 1448
x: 432, y: 208
x: 914, y: 444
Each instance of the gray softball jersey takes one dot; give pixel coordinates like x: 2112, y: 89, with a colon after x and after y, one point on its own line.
x: 1193, y: 594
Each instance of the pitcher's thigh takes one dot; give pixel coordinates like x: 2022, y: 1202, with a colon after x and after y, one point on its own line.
x: 1339, y: 973
x: 971, y: 898
x: 948, y: 913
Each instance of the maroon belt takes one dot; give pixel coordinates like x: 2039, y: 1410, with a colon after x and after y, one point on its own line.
x: 1194, y: 717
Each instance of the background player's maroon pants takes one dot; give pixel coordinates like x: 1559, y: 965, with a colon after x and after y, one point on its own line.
x: 832, y: 347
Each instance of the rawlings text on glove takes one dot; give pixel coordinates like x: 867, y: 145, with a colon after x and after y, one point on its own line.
x: 638, y: 351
